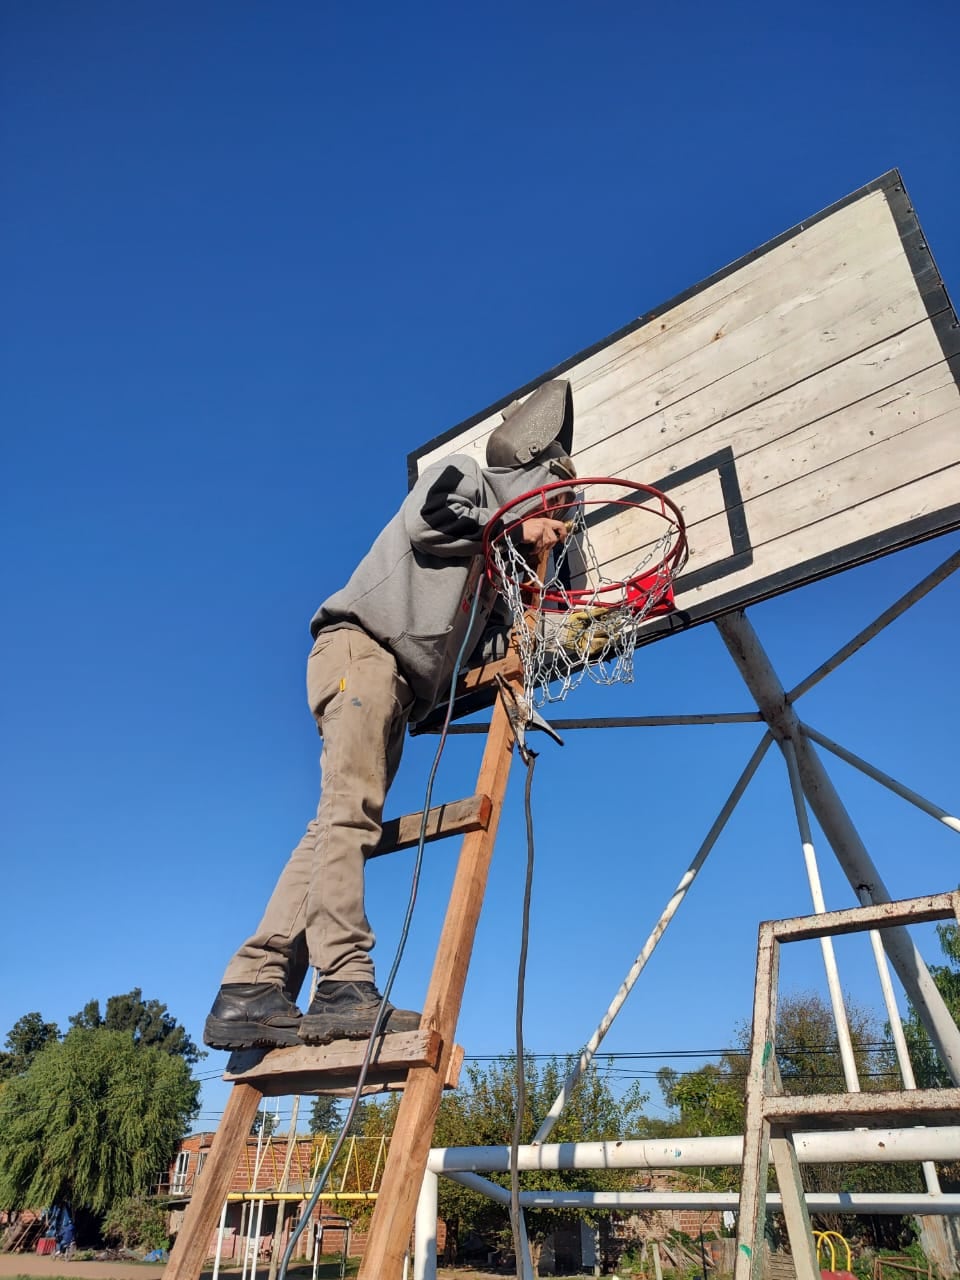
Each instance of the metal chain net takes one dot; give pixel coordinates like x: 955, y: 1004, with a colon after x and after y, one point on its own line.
x: 591, y: 637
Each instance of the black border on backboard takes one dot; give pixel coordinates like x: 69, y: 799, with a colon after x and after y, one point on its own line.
x: 944, y: 321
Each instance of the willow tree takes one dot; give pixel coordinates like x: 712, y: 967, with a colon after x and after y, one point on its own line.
x: 96, y: 1117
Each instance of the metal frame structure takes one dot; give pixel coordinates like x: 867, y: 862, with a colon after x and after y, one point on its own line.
x: 810, y: 785
x: 771, y: 1118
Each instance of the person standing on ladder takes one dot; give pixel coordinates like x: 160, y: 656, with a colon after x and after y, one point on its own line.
x: 384, y: 652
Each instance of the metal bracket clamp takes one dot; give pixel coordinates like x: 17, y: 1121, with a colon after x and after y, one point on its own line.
x: 522, y: 717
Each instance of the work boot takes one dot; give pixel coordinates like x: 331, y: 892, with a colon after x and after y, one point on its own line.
x: 346, y: 1011
x: 251, y: 1015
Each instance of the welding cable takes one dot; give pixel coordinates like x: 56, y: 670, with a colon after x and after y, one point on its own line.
x: 518, y: 1246
x: 401, y: 946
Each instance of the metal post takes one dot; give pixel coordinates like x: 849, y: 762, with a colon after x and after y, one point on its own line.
x: 425, y: 1229
x: 245, y: 1212
x: 220, y: 1232
x: 844, y: 1040
x: 948, y: 819
x: 754, y: 665
x: 950, y: 565
x: 756, y: 1127
x: 930, y: 1176
x: 256, y: 1239
x: 525, y: 1262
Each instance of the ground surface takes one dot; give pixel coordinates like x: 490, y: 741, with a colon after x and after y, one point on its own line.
x: 31, y: 1264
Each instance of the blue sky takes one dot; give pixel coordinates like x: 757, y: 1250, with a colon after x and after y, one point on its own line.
x: 252, y: 255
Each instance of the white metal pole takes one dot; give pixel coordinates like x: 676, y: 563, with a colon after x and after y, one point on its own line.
x: 669, y: 911
x: 850, y: 1146
x: 826, y: 944
x: 256, y: 1240
x: 754, y: 665
x: 525, y: 1269
x: 425, y: 1229
x: 245, y: 1215
x: 220, y: 1233
x: 896, y: 1030
x: 853, y: 1202
x: 914, y: 797
x: 900, y: 606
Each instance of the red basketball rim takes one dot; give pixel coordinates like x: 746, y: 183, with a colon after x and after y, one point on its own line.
x: 630, y: 591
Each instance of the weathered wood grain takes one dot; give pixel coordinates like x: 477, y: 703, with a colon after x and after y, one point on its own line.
x: 820, y: 366
x: 333, y: 1068
x: 455, y: 818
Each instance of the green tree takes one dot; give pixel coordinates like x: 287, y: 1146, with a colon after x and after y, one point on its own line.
x: 483, y: 1114
x: 149, y: 1021
x: 927, y: 1066
x: 26, y: 1038
x: 265, y: 1123
x: 324, y: 1115
x: 709, y: 1100
x: 95, y: 1118
x: 138, y: 1222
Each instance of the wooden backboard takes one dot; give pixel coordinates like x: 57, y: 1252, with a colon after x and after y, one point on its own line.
x: 801, y: 406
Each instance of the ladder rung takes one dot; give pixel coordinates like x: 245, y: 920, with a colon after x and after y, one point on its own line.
x: 333, y: 1068
x: 833, y: 1110
x: 454, y: 819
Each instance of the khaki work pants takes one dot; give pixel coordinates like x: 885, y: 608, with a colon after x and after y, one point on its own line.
x: 316, y: 914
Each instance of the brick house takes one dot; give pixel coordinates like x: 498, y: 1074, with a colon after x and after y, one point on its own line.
x: 271, y: 1182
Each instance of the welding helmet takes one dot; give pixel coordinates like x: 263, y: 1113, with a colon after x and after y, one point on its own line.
x: 531, y: 425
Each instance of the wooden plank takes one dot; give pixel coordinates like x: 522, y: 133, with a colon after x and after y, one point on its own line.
x: 669, y: 445
x: 854, y: 238
x: 209, y: 1191
x: 393, y: 1218
x: 756, y: 1129
x: 262, y: 1067
x: 742, y: 374
x: 333, y: 1069
x: 485, y: 677
x: 879, y: 915
x: 808, y: 519
x: 867, y: 443
x: 845, y: 1110
x: 451, y: 819
x: 912, y: 438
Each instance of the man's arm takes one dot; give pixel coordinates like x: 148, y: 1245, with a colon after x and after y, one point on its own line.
x: 443, y: 512
x: 444, y: 515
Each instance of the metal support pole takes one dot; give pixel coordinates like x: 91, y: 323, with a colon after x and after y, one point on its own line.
x: 900, y: 606
x: 755, y: 667
x: 220, y: 1232
x: 844, y: 1040
x: 930, y: 1176
x: 525, y: 1269
x: 669, y: 911
x: 748, y: 1262
x: 256, y: 1239
x: 425, y: 1229
x: 898, y: 788
x: 884, y: 1145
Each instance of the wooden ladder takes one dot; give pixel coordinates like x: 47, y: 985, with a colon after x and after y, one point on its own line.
x: 772, y: 1117
x: 422, y: 1062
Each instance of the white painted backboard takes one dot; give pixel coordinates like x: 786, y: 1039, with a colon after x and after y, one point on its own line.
x: 801, y: 406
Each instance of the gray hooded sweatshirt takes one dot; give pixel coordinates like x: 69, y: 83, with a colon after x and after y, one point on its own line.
x: 413, y: 590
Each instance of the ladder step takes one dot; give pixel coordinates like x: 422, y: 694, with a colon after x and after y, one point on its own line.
x: 454, y: 819
x: 333, y: 1068
x: 842, y: 1110
x: 476, y: 690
